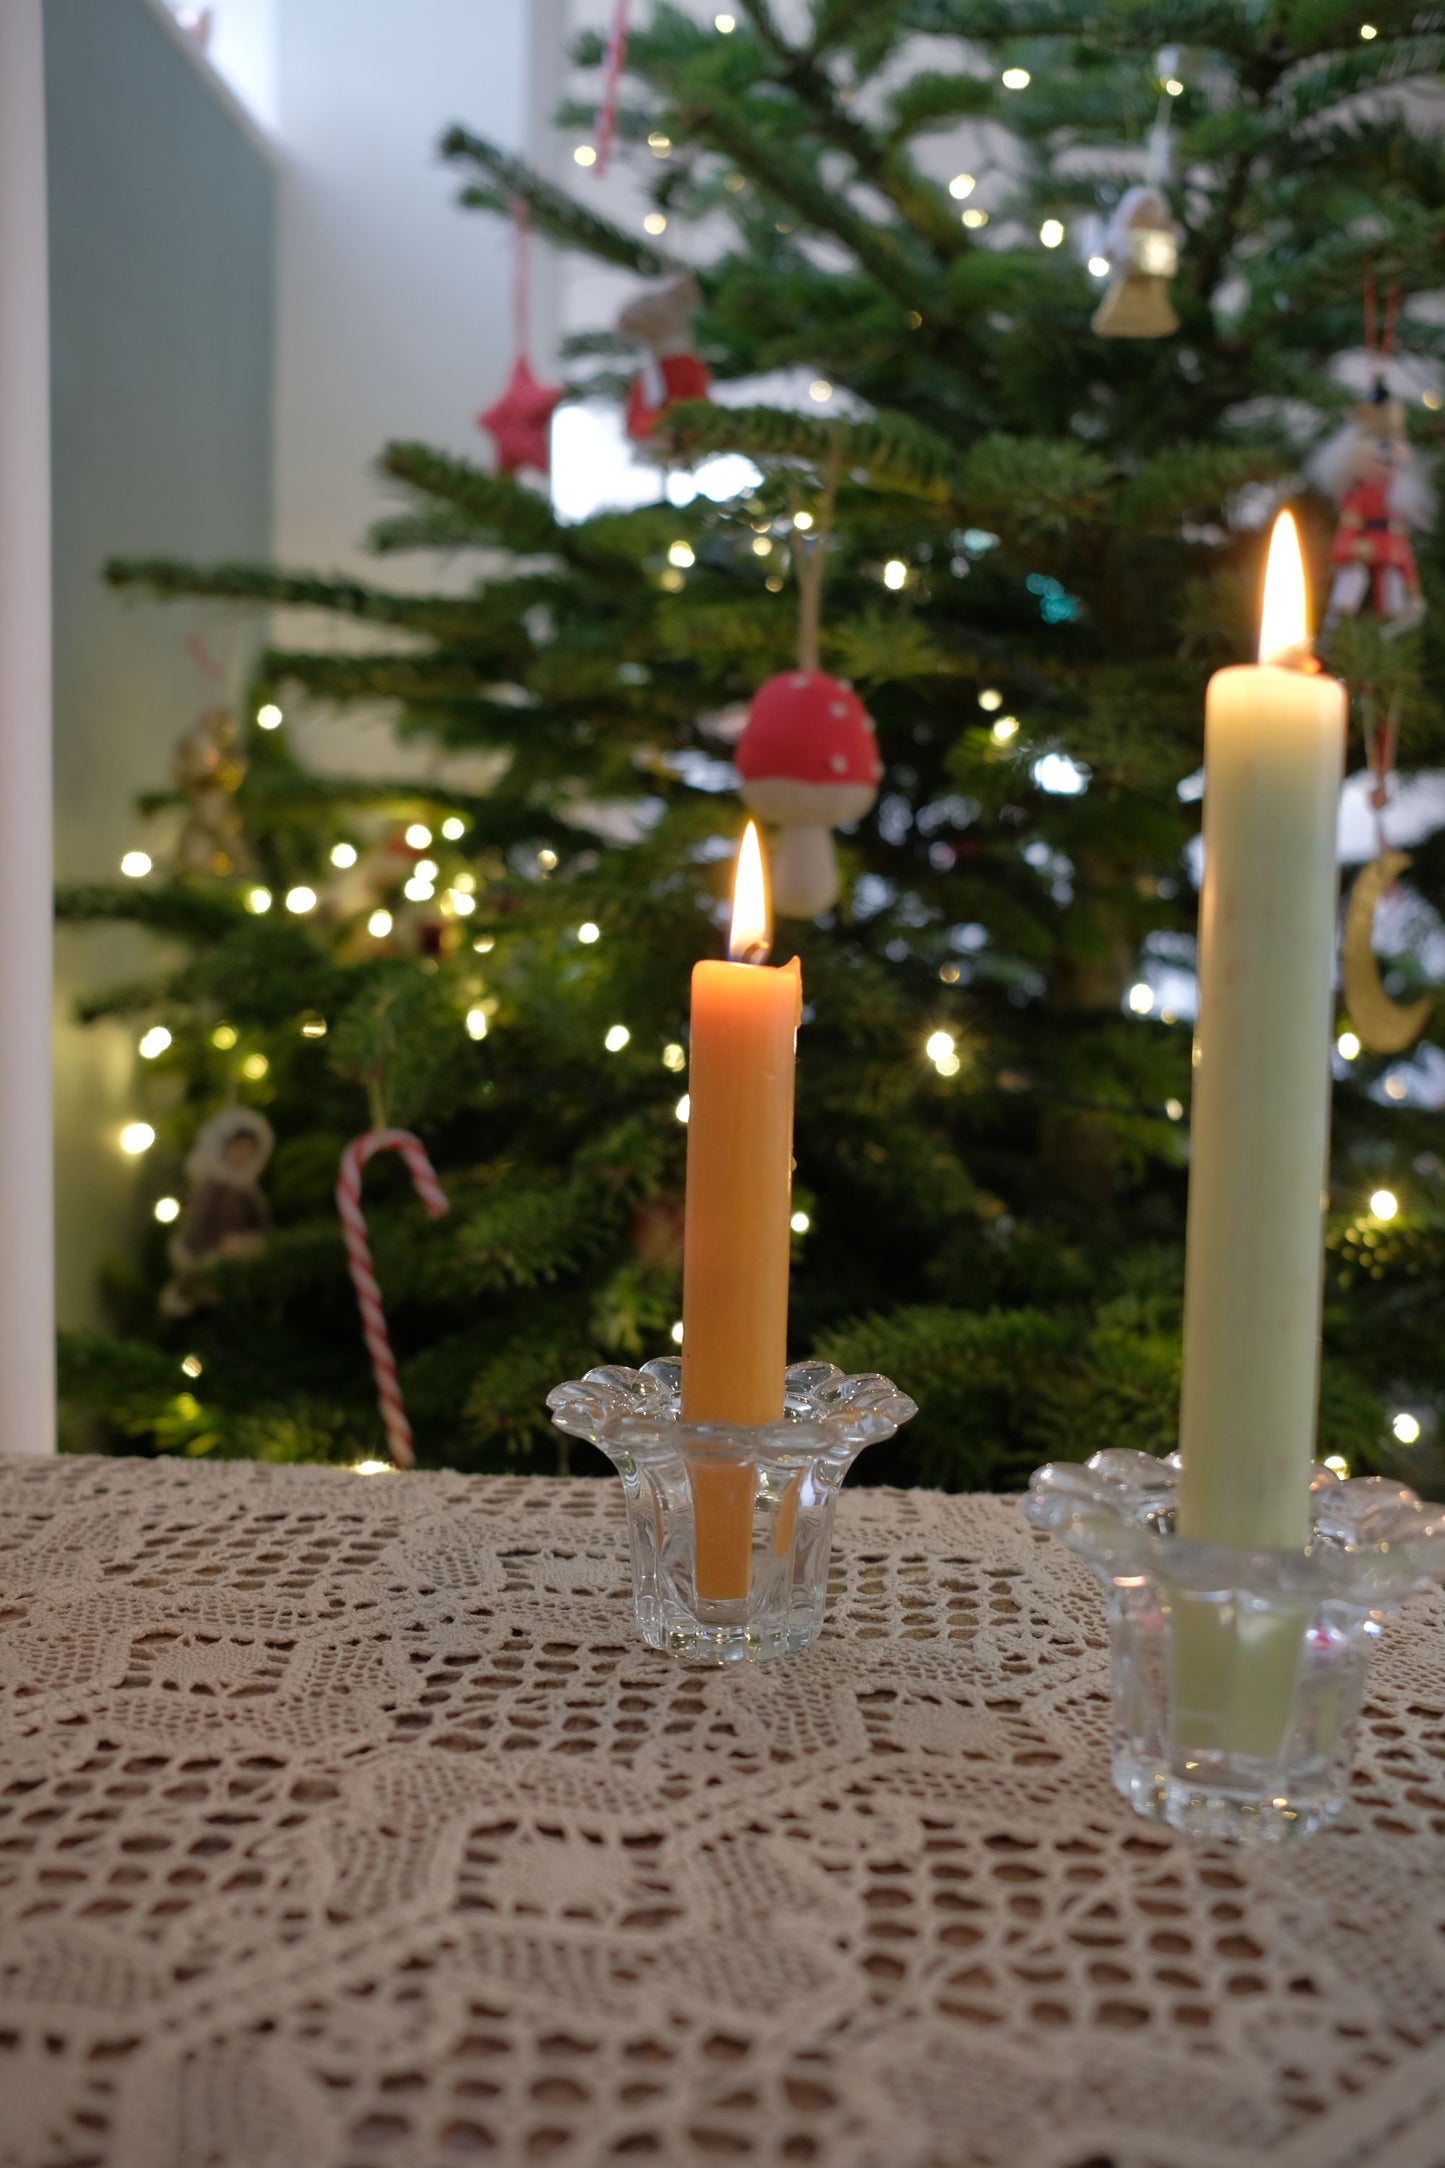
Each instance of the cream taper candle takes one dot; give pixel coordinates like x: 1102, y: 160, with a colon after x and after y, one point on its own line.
x: 1274, y: 746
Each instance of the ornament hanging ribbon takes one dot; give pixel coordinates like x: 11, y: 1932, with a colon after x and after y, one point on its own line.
x: 363, y: 1275
x: 611, y: 87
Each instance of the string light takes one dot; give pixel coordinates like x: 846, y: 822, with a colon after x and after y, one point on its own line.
x: 1347, y: 1046
x: 192, y: 1365
x: 547, y: 859
x: 465, y: 882
x: 379, y: 925
x: 476, y: 1023
x: 1100, y: 266
x: 1005, y: 728
x: 460, y: 902
x: 680, y: 553
x: 254, y: 1067
x: 659, y: 145
x: 485, y: 943
x: 224, y: 1037
x: 1337, y: 1464
x: 673, y: 581
x: 588, y: 932
x: 962, y: 184
x: 454, y: 827
x: 167, y: 1209
x: 418, y: 835
x: 820, y: 389
x: 1141, y: 998
x: 802, y: 521
x: 1406, y: 1427
x: 259, y: 901
x: 654, y: 223
x: 673, y: 1057
x: 300, y: 900
x: 895, y: 573
x: 1395, y: 1087
x: 269, y: 717
x: 800, y: 1223
x: 683, y: 1109
x: 1174, y: 1108
x: 1430, y: 399
x: 762, y: 546
x: 156, y: 1040
x: 343, y: 854
x: 1173, y: 85
x: 989, y: 699
x: 419, y: 889
x: 1016, y: 79
x: 939, y: 1045
x: 617, y: 1037
x: 313, y: 1027
x: 1384, y: 1204
x: 974, y: 219
x: 677, y: 1332
x: 135, y: 865
x: 135, y: 1138
x: 1368, y: 31
x: 372, y: 1467
x: 725, y: 24
x: 774, y: 583
x: 1051, y: 233
x: 949, y: 1066
x: 584, y: 155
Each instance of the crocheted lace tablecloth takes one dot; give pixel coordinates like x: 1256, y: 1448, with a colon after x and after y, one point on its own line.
x: 345, y: 1824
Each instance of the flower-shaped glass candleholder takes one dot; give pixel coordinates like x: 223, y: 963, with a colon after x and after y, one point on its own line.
x: 1238, y: 1674
x: 730, y: 1524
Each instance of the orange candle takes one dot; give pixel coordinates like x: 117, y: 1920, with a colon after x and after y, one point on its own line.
x: 736, y: 1245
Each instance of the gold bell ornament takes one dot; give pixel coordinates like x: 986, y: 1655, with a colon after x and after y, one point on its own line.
x: 1142, y: 245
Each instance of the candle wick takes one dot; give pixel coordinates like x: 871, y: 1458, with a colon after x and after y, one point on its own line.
x: 753, y: 952
x: 1299, y: 656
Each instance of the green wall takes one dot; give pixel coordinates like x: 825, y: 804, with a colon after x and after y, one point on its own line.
x: 161, y: 247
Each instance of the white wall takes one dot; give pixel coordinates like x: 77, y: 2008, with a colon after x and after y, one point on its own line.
x: 395, y: 314
x: 394, y: 306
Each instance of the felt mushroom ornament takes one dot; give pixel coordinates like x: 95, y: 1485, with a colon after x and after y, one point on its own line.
x: 807, y: 759
x: 809, y: 762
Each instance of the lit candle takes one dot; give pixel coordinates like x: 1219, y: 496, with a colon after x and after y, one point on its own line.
x: 737, y: 1241
x: 1274, y: 748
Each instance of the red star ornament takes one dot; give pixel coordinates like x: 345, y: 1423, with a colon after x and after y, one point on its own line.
x: 517, y: 422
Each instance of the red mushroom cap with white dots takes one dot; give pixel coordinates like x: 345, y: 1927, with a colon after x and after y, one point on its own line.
x: 808, y: 754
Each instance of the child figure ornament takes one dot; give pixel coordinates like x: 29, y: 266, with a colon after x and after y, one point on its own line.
x: 1370, y: 471
x: 225, y: 1213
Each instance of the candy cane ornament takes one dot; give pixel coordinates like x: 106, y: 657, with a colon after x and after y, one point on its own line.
x: 363, y: 1276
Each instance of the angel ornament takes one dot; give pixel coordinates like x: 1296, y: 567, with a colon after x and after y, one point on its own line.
x: 1142, y: 245
x: 226, y: 1214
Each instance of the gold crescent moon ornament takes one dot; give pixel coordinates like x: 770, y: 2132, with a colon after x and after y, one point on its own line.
x: 1380, y: 1024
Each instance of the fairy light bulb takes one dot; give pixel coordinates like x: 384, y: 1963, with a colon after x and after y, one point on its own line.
x: 155, y: 1041
x: 1406, y: 1427
x: 135, y: 1138
x: 166, y: 1210
x: 1384, y: 1204
x: 895, y: 574
x: 379, y: 925
x: 680, y: 553
x: 454, y: 828
x: 617, y: 1037
x: 476, y: 1023
x: 136, y: 865
x: 343, y: 855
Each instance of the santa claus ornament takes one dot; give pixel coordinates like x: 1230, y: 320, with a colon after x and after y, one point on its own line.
x: 809, y: 762
x: 661, y: 321
x: 1369, y: 470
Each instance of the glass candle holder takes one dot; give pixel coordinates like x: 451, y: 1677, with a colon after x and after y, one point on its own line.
x: 1237, y: 1675
x: 729, y: 1524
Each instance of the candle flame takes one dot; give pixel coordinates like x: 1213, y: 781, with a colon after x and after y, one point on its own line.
x: 752, y: 927
x: 1284, y: 627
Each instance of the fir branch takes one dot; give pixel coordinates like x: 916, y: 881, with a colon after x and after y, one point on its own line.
x: 553, y: 212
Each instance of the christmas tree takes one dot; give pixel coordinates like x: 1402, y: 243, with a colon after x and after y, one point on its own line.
x: 1034, y: 540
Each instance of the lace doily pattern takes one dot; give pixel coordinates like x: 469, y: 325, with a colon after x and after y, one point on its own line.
x: 345, y: 1824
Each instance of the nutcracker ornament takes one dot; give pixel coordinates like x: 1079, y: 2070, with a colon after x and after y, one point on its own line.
x: 661, y: 321
x: 225, y: 1214
x: 1142, y: 245
x: 209, y: 768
